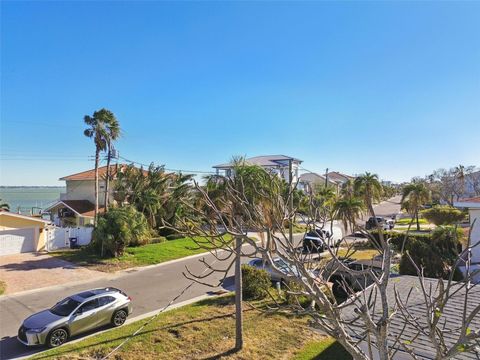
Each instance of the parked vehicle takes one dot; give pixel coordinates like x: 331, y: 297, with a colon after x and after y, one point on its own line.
x: 280, y: 275
x: 340, y: 276
x: 318, y: 240
x: 76, y: 314
x: 384, y: 223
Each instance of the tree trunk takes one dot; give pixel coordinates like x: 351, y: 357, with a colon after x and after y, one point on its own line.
x: 97, y: 159
x: 238, y: 295
x: 418, y: 223
x: 107, y: 179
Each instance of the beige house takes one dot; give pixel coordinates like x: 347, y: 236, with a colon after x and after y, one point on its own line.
x: 76, y: 206
x: 21, y: 233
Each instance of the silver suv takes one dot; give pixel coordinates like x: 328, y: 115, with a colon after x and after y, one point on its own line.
x: 78, y: 313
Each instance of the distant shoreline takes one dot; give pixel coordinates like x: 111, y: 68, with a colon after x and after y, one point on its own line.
x: 31, y: 186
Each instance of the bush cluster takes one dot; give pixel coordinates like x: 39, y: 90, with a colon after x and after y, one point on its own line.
x: 443, y: 215
x: 119, y: 228
x: 436, y: 252
x: 255, y: 282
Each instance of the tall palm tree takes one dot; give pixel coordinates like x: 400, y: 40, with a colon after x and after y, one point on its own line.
x: 368, y: 187
x: 113, y: 133
x: 4, y: 206
x: 348, y: 209
x: 98, y: 132
x: 414, y: 196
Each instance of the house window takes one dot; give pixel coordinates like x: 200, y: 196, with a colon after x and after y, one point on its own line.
x: 81, y: 221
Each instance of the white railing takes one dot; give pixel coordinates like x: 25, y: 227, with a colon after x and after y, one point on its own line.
x: 59, y: 238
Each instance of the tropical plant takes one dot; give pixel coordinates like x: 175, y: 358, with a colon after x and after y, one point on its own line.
x: 118, y: 228
x: 159, y: 195
x: 368, y: 188
x: 414, y: 196
x: 4, y: 206
x: 101, y: 126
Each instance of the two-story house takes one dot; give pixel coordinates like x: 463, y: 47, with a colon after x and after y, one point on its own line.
x: 76, y: 206
x: 276, y: 164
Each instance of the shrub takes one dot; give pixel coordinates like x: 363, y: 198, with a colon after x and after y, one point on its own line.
x: 119, y: 228
x: 397, y: 239
x: 443, y: 215
x: 255, y: 282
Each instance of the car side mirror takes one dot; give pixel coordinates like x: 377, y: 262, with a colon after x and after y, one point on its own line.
x: 78, y: 312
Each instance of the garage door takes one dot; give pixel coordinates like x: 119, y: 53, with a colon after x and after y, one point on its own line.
x: 17, y: 241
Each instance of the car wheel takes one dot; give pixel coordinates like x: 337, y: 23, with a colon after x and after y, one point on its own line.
x: 119, y: 318
x: 57, y: 337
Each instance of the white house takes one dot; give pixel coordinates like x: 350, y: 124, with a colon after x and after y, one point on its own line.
x: 473, y: 206
x: 277, y: 164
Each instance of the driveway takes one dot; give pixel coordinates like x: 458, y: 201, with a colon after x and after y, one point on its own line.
x: 29, y: 271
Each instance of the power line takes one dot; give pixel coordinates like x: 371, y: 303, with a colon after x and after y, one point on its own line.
x: 174, y: 170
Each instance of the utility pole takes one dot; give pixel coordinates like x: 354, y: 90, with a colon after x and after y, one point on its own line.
x: 238, y: 295
x: 326, y: 177
x: 290, y: 202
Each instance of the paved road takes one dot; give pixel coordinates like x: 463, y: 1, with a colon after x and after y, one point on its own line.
x: 387, y: 208
x: 150, y: 288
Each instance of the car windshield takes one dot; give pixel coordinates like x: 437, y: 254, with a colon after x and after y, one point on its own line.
x: 64, y: 307
x: 284, y: 267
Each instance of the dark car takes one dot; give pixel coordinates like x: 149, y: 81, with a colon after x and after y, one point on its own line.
x: 384, y: 223
x: 317, y: 241
x: 351, y: 279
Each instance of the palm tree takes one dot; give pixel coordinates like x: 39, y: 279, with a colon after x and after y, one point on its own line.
x: 368, y: 187
x: 348, y: 209
x: 98, y: 131
x: 4, y: 206
x: 414, y: 196
x: 112, y: 134
x: 347, y: 188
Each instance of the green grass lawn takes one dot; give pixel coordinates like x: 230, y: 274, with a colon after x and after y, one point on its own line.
x: 134, y: 256
x: 206, y: 330
x: 406, y: 221
x: 363, y: 254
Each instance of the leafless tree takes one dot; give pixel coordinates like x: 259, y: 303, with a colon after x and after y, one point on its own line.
x: 363, y: 323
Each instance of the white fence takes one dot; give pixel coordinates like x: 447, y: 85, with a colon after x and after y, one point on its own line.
x: 59, y: 238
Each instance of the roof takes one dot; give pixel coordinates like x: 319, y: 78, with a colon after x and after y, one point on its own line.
x: 312, y: 177
x: 473, y: 202
x: 102, y: 171
x: 80, y: 207
x: 26, y: 217
x: 264, y: 161
x: 338, y: 176
x: 421, y: 345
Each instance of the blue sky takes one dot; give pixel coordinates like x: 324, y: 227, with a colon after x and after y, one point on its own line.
x: 387, y: 87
